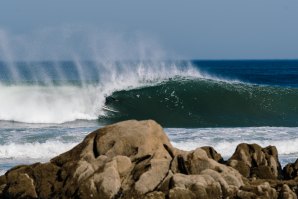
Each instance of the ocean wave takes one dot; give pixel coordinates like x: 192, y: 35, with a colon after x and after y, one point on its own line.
x: 173, y: 93
x: 78, y: 91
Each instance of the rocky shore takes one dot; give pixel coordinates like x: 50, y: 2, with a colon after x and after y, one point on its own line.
x: 135, y: 159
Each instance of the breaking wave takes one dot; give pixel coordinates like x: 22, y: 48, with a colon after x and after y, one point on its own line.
x: 50, y: 92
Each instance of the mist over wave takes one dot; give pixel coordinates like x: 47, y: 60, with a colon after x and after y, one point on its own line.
x: 34, y: 90
x: 127, y: 78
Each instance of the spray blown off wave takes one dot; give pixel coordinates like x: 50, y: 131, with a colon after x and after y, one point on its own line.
x: 199, y: 102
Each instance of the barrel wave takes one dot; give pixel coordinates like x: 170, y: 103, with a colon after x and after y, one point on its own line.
x: 199, y: 102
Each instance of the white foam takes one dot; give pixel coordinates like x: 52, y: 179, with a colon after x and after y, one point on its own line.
x: 38, y: 104
x: 44, y: 151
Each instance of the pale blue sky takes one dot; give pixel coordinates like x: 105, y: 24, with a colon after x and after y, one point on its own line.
x: 195, y: 29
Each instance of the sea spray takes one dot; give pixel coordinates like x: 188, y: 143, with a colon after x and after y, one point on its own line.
x: 34, y: 90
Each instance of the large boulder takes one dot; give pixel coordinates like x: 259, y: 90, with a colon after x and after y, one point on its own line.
x: 251, y: 160
x: 128, y: 158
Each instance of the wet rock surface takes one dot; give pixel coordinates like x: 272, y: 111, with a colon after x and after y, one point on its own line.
x: 135, y: 159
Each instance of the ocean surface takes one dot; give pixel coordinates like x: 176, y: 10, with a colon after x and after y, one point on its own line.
x: 48, y: 107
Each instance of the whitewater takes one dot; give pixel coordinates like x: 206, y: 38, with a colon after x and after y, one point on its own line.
x: 46, y: 108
